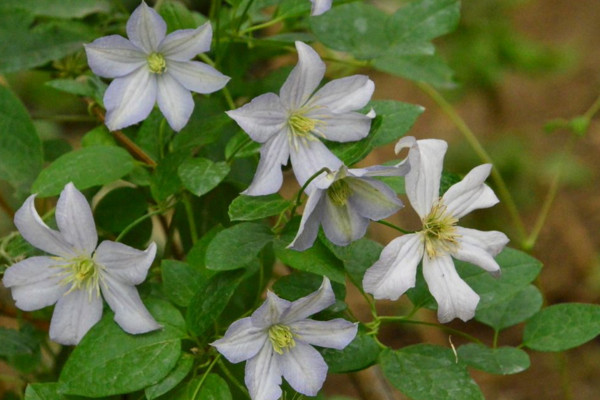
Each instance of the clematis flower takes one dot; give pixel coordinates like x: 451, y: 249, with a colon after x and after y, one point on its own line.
x: 290, y: 125
x: 344, y: 202
x: 276, y: 340
x: 440, y: 239
x: 320, y: 6
x: 153, y: 68
x: 78, y: 271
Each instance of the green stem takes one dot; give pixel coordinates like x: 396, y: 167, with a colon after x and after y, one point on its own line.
x: 244, y: 13
x: 264, y: 24
x: 136, y: 222
x: 351, y: 62
x: 189, y: 210
x: 208, y: 369
x: 594, y: 108
x: 233, y: 379
x: 468, y: 134
x: 239, y: 147
x: 495, y: 342
x: 382, y: 222
x: 444, y: 328
x: 312, y: 178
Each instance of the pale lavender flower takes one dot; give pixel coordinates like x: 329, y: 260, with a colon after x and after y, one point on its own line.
x: 344, y: 201
x: 276, y: 340
x: 152, y: 67
x: 440, y: 240
x: 320, y: 6
x: 289, y: 125
x: 78, y: 271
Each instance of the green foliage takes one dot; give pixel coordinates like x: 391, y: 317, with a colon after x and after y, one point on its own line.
x: 181, y: 281
x: 500, y: 360
x: 361, y: 353
x: 13, y: 342
x: 250, y: 208
x: 177, y: 374
x: 200, y: 175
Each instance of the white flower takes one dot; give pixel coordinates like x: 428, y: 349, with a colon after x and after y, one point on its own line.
x: 276, y: 340
x: 440, y: 239
x: 289, y: 125
x: 151, y: 67
x: 344, y: 202
x: 74, y: 277
x: 320, y: 6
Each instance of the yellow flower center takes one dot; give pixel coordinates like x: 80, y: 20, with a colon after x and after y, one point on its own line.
x: 157, y: 63
x: 300, y: 124
x: 82, y: 273
x: 439, y: 231
x: 281, y: 338
x: 339, y: 192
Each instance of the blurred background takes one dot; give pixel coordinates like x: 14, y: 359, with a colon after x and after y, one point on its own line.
x: 520, y: 65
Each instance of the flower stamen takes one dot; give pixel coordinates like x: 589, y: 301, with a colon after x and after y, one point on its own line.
x: 338, y: 192
x: 82, y: 273
x: 282, y: 338
x: 157, y: 63
x: 439, y: 231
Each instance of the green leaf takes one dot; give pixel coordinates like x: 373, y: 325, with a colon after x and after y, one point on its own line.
x: 421, y: 68
x: 357, y: 257
x: 523, y: 305
x: 208, y: 304
x: 178, y: 16
x: 424, y: 20
x: 177, y: 374
x: 20, y: 147
x: 13, y: 342
x: 60, y: 8
x: 86, y: 167
x: 396, y: 119
x: 87, y: 86
x: 300, y: 284
x: 98, y: 136
x: 165, y: 179
x: 250, y: 208
x: 54, y: 148
x: 317, y: 260
x: 200, y: 175
x: 109, y: 361
x: 563, y: 326
x: 426, y: 372
x: 235, y: 247
x: 153, y: 134
x: 44, y: 391
x: 500, y: 361
x: 213, y: 387
x: 181, y: 282
x: 361, y: 353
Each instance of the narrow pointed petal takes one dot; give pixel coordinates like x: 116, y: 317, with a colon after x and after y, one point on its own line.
x: 454, y: 297
x: 491, y: 241
x: 400, y: 169
x: 396, y: 270
x: 335, y: 334
x: 145, y: 28
x: 311, y: 304
x: 74, y: 315
x: 125, y: 263
x: 263, y: 375
x: 129, y: 99
x: 185, y: 44
x: 304, y: 78
x: 268, y: 177
x: 343, y: 224
x: 470, y: 193
x: 426, y: 160
x: 270, y: 311
x: 373, y: 199
x: 308, y: 157
x: 476, y: 256
x: 113, y: 56
x: 75, y: 220
x: 130, y: 313
x: 320, y: 6
x: 242, y: 341
x: 36, y: 232
x: 342, y: 127
x: 262, y: 118
x: 175, y: 101
x: 34, y: 282
x: 197, y: 76
x: 344, y: 94
x: 311, y: 219
x: 304, y: 368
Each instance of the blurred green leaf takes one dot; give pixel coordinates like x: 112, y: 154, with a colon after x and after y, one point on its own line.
x: 54, y: 148
x: 14, y: 342
x: 177, y: 374
x: 98, y: 136
x: 44, y: 391
x: 250, y: 208
x: 423, y: 20
x: 500, y: 360
x: 421, y: 68
x: 201, y: 175
x: 60, y: 8
x: 178, y: 16
x: 87, y: 86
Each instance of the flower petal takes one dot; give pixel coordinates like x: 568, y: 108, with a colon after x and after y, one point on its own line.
x: 426, y: 158
x: 113, y: 56
x: 130, y: 313
x: 320, y: 6
x: 145, y: 28
x: 262, y: 118
x: 263, y: 376
x: 129, y: 99
x: 34, y: 282
x: 197, y: 76
x: 311, y: 219
x: 75, y: 220
x: 344, y: 94
x: 242, y: 341
x: 343, y: 224
x: 400, y: 169
x: 185, y: 44
x: 304, y: 368
x: 268, y: 177
x: 470, y: 193
x: 335, y: 334
x: 311, y: 304
x: 454, y: 297
x: 74, y: 315
x: 308, y: 157
x: 491, y: 241
x: 270, y: 311
x: 396, y: 269
x: 342, y: 127
x: 372, y: 199
x: 36, y: 232
x: 175, y: 101
x: 304, y: 78
x: 125, y: 263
